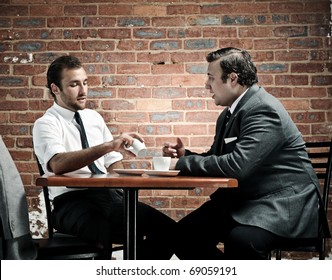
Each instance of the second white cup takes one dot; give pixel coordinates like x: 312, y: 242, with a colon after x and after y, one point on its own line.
x: 136, y: 147
x: 161, y: 163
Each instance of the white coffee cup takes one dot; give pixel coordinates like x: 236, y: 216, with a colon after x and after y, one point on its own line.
x: 136, y: 147
x: 161, y: 163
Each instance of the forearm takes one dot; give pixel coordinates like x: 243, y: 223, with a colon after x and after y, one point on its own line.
x: 71, y: 161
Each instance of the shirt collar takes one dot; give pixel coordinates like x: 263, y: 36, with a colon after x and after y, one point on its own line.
x: 63, y: 112
x: 232, y: 108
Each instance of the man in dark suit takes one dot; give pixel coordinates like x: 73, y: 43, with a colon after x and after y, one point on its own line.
x: 278, y: 198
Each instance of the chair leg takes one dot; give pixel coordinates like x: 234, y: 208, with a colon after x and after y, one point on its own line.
x: 278, y: 254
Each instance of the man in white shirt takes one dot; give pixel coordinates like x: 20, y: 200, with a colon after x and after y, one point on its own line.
x: 95, y: 215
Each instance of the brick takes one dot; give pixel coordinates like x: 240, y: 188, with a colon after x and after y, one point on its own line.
x: 223, y: 8
x: 13, y: 81
x: 321, y: 80
x: 165, y: 45
x: 296, y: 104
x: 148, y: 33
x: 237, y: 20
x: 291, y: 31
x: 25, y: 117
x: 321, y: 104
x: 307, y: 68
x: 153, y: 105
x: 188, y: 129
x: 80, y: 10
x: 114, y: 33
x: 130, y: 22
x: 130, y: 45
x: 279, y: 92
x: 273, y: 19
x: 170, y: 116
x: 29, y: 22
x: 111, y: 9
x: 29, y: 69
x: 288, y: 8
x: 167, y: 69
x: 54, y: 22
x: 196, y: 68
x: 80, y: 34
x: 273, y: 68
x: 291, y: 80
x: 155, y: 129
x: 267, y: 44
x: 46, y: 10
x: 199, y: 117
x: 308, y: 117
x: 98, y: 45
x: 152, y: 10
x: 116, y: 105
x: 188, y: 105
x: 133, y: 93
x: 188, y: 80
x: 119, y: 57
x: 309, y: 92
x: 306, y: 43
x: 155, y: 58
x: 133, y: 69
x: 290, y: 55
x: 5, y: 23
x: 204, y: 20
x: 155, y: 80
x: 183, y: 9
x: 169, y: 93
x: 187, y: 202
x: 200, y: 44
x: 132, y: 117
x: 14, y: 10
x: 29, y: 46
x: 193, y: 32
x: 219, y: 32
x: 45, y: 34
x: 168, y: 21
x: 188, y: 57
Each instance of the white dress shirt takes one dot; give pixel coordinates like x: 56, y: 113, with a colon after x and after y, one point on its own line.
x: 56, y: 132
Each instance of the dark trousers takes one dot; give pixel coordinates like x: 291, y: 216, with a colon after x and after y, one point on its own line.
x: 202, y: 230
x: 98, y: 215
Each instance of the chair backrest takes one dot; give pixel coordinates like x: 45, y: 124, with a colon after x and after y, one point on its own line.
x: 48, y: 206
x: 320, y: 154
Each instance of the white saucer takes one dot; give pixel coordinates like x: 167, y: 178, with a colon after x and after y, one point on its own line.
x: 138, y: 172
x: 168, y: 173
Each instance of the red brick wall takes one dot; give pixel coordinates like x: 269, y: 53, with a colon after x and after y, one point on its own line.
x: 146, y: 62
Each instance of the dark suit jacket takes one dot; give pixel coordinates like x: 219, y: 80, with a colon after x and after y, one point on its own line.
x: 278, y: 188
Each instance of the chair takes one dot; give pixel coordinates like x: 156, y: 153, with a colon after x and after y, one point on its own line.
x: 320, y: 154
x: 65, y: 246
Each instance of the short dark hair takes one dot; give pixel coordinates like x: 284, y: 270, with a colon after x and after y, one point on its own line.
x: 54, y: 72
x: 237, y: 61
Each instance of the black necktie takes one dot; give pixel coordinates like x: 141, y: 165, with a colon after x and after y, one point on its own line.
x: 223, y: 129
x: 228, y: 116
x: 93, y: 168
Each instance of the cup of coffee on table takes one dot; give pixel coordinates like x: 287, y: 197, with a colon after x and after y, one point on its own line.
x: 161, y: 163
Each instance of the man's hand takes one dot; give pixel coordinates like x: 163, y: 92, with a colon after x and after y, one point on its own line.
x: 174, y: 150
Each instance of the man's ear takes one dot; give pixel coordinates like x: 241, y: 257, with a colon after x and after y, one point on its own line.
x: 233, y: 76
x: 55, y: 89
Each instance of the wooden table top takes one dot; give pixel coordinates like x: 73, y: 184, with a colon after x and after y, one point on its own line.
x: 131, y: 181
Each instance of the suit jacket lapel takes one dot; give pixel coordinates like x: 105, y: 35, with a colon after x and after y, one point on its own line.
x: 249, y: 94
